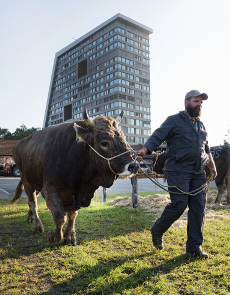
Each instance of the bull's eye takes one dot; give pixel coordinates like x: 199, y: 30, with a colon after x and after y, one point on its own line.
x: 105, y: 144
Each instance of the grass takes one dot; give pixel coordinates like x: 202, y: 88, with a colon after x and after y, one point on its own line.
x: 114, y: 255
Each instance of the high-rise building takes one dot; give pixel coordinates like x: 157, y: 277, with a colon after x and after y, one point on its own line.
x: 106, y: 71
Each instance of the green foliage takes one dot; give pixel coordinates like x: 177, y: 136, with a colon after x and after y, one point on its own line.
x: 19, y: 133
x: 225, y: 142
x: 114, y: 255
x: 4, y: 133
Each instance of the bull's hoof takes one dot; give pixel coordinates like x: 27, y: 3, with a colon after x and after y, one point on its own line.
x: 39, y: 229
x: 70, y: 240
x: 30, y: 219
x: 217, y: 202
x: 54, y: 237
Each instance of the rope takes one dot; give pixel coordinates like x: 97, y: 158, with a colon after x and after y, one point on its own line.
x: 181, y: 192
x: 192, y: 193
x: 131, y: 151
x: 109, y: 159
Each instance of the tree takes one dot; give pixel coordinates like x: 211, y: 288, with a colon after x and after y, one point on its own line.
x: 4, y: 133
x: 19, y: 133
x: 225, y: 142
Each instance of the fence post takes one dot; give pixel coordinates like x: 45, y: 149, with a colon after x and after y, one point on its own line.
x: 104, y: 195
x: 134, y: 203
x: 97, y: 195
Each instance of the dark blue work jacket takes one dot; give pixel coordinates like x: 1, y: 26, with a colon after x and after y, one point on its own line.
x: 186, y: 149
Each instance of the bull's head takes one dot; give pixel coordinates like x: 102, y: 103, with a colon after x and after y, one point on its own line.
x: 106, y: 140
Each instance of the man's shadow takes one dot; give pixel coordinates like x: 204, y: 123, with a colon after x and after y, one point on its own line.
x: 134, y: 279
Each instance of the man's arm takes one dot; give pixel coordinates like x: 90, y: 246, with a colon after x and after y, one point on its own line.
x: 211, y: 165
x: 156, y: 139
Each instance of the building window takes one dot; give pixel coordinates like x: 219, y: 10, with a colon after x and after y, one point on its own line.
x: 123, y: 120
x: 130, y: 138
x: 123, y: 128
x: 130, y: 34
x: 131, y: 91
x: 146, y: 132
x: 140, y: 140
x: 131, y: 121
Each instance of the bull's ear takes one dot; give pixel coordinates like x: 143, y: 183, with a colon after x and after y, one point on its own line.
x: 119, y: 118
x: 82, y: 133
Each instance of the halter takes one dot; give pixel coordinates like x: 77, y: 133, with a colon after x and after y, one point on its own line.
x: 109, y: 159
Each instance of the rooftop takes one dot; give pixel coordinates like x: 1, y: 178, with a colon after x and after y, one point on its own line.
x: 117, y: 16
x: 6, y: 147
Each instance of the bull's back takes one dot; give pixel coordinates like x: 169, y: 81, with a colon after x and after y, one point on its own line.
x: 37, y: 155
x: 221, y: 156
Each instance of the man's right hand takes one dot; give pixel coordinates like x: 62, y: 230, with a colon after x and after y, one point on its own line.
x: 141, y: 153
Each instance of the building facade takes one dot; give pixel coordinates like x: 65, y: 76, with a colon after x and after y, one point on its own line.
x: 105, y: 71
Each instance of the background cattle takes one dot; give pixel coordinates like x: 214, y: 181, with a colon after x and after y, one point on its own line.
x: 67, y: 163
x: 221, y: 156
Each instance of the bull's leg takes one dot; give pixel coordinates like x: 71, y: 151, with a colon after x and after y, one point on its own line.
x: 33, y: 211
x: 227, y: 181
x: 30, y: 215
x: 221, y: 188
x: 70, y: 235
x: 54, y: 203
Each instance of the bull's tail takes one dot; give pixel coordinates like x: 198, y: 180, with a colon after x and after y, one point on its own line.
x: 17, y: 193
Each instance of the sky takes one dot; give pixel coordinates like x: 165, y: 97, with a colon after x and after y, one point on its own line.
x: 189, y: 49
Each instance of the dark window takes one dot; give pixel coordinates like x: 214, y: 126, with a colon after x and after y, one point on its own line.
x: 82, y: 68
x: 68, y: 112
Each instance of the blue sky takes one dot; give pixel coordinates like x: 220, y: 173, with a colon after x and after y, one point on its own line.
x: 189, y: 49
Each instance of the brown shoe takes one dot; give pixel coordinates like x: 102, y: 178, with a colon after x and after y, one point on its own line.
x: 157, y: 240
x: 198, y: 253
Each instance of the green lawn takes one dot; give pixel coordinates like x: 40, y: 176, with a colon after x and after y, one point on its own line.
x: 114, y: 255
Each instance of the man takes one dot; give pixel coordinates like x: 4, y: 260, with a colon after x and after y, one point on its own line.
x: 187, y: 154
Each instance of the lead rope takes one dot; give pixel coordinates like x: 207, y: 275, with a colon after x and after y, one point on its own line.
x: 192, y: 193
x: 131, y: 151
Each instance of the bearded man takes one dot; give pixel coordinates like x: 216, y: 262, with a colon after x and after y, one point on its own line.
x: 187, y: 154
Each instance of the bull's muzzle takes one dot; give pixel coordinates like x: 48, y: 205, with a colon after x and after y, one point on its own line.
x: 133, y: 167
x: 130, y: 169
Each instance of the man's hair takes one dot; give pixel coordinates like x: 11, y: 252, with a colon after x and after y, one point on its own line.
x: 189, y: 98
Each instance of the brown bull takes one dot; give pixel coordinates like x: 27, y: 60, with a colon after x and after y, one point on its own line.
x: 221, y: 156
x: 67, y: 163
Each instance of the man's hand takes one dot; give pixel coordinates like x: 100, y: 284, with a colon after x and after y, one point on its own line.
x: 214, y: 172
x: 141, y: 153
x: 212, y: 167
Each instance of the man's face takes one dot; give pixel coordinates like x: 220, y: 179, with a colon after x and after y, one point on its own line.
x: 194, y: 106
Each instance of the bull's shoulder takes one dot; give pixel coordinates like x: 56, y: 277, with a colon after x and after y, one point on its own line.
x: 20, y: 146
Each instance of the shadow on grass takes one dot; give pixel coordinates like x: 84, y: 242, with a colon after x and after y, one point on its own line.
x: 18, y: 238
x: 89, y: 281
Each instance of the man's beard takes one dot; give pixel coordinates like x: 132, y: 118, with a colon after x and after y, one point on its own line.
x: 193, y: 112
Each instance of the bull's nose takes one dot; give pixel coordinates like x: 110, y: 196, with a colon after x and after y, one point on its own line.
x: 133, y: 167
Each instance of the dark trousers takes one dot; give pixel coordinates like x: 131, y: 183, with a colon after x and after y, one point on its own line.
x: 196, y: 204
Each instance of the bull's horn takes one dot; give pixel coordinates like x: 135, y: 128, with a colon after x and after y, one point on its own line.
x: 89, y: 122
x: 119, y: 118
